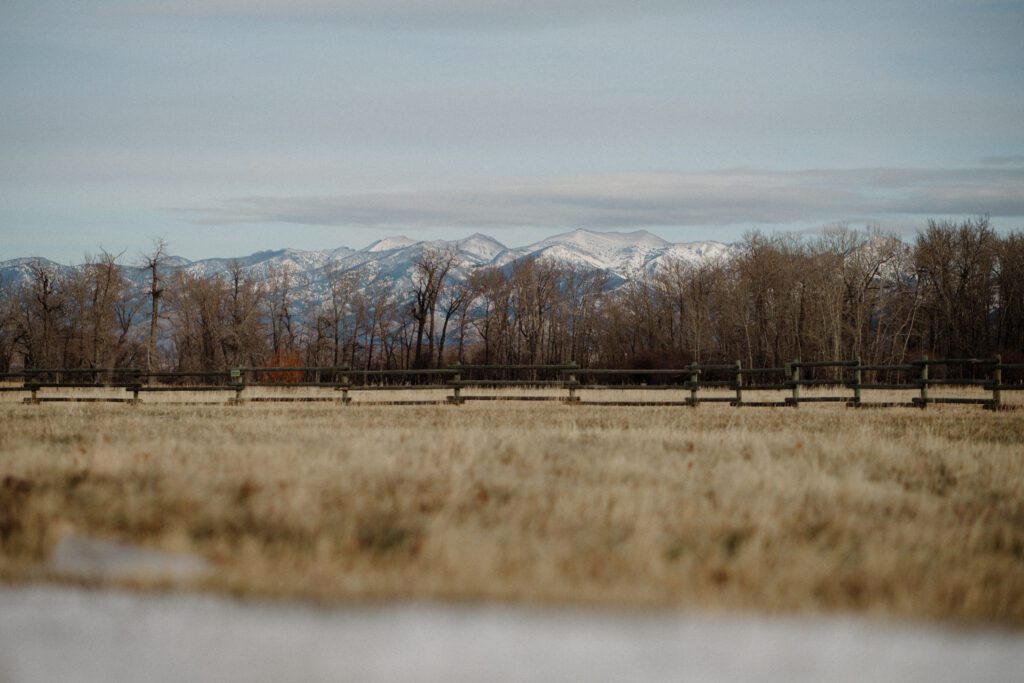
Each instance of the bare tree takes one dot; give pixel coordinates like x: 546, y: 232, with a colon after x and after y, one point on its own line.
x: 8, y: 326
x: 957, y: 266
x: 200, y: 321
x: 245, y: 338
x: 153, y: 262
x: 429, y: 274
x: 336, y: 312
x: 42, y: 304
x: 279, y: 303
x: 100, y: 314
x: 455, y: 298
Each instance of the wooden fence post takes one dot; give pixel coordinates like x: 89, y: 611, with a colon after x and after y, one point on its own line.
x: 795, y: 379
x: 33, y: 387
x: 237, y: 378
x: 997, y: 380
x: 857, y: 378
x: 345, y: 399
x: 924, y: 382
x: 739, y: 385
x: 694, y: 379
x: 136, y: 375
x: 572, y: 384
x: 456, y: 397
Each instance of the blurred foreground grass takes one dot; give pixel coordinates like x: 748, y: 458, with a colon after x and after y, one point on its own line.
x: 896, y: 512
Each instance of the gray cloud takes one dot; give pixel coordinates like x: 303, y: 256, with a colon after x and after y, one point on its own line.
x: 1010, y: 160
x: 409, y: 13
x: 665, y: 199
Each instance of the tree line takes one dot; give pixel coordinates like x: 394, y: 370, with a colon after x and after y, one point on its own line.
x: 956, y: 290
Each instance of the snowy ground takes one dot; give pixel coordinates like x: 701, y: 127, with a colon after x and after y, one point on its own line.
x: 65, y: 634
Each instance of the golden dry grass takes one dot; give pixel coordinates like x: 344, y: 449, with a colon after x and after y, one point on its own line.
x: 896, y: 512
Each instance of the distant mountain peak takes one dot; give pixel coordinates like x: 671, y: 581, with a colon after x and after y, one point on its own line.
x: 484, y: 247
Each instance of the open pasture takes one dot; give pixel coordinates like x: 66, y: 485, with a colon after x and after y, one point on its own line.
x: 898, y: 512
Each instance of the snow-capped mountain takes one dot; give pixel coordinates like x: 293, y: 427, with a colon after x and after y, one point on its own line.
x: 389, y: 262
x: 623, y: 254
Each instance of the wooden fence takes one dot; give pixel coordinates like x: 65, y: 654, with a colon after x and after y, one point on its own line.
x: 849, y: 380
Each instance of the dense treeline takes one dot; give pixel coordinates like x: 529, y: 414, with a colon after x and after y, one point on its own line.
x: 957, y: 290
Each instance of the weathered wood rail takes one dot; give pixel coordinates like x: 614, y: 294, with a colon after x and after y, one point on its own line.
x: 849, y: 378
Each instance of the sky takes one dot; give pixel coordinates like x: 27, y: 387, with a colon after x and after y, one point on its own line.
x: 232, y: 126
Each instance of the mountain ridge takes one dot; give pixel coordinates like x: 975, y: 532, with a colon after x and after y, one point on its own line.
x: 390, y: 261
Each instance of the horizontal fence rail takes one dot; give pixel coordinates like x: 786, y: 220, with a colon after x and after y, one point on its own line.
x: 850, y: 378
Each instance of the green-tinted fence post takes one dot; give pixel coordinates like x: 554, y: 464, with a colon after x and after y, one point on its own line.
x: 856, y: 382
x: 924, y: 382
x: 795, y: 379
x: 238, y: 380
x: 997, y: 380
x: 694, y: 379
x: 739, y: 385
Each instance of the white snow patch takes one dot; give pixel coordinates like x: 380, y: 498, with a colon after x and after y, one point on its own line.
x: 62, y: 634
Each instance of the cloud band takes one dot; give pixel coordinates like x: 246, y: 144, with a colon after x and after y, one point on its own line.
x: 667, y: 199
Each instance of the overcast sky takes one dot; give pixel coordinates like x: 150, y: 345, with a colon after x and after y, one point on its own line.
x: 231, y: 126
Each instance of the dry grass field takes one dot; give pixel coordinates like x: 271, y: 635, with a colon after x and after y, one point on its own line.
x: 894, y: 512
